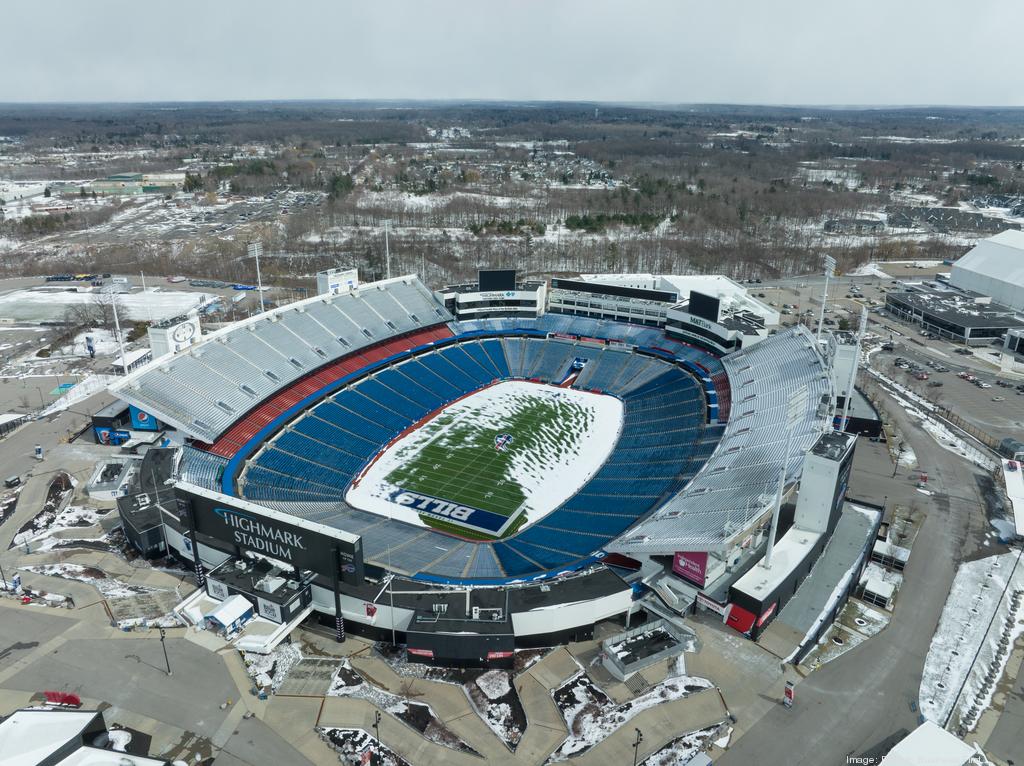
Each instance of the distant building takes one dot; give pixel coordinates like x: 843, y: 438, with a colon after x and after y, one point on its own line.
x: 961, y: 316
x: 854, y: 226
x: 994, y: 267
x: 120, y: 184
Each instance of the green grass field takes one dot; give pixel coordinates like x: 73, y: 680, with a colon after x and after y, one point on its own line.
x: 460, y: 463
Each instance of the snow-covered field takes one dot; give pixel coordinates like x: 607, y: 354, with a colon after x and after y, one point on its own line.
x: 547, y: 477
x: 982, y: 588
x: 155, y: 304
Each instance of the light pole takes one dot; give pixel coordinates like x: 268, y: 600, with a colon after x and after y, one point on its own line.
x: 830, y: 269
x: 164, y: 647
x: 376, y: 729
x: 3, y: 577
x: 899, y: 456
x: 636, y: 744
x: 255, y: 251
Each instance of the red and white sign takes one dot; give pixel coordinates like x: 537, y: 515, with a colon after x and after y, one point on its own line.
x: 499, y: 655
x: 371, y: 609
x: 691, y: 566
x: 767, y: 613
x: 428, y: 653
x: 710, y: 603
x: 789, y: 695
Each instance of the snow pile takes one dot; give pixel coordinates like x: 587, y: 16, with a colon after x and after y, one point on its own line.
x: 591, y: 716
x: 356, y: 747
x: 549, y: 465
x: 979, y: 619
x: 681, y: 750
x: 420, y: 716
x: 49, y: 524
x: 104, y: 342
x: 494, y: 683
x: 119, y: 739
x: 870, y: 269
x: 269, y: 670
x: 107, y: 586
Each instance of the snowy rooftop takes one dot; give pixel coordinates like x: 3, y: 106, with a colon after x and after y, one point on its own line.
x: 33, y: 736
x: 788, y: 554
x: 833, y: 569
x: 929, y: 745
x: 1015, y: 492
x: 230, y: 609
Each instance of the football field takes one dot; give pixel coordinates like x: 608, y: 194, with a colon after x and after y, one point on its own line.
x: 496, y: 459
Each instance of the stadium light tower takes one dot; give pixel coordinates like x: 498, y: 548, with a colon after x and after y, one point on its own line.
x: 797, y: 403
x: 853, y: 367
x: 830, y: 270
x: 255, y: 251
x: 387, y: 248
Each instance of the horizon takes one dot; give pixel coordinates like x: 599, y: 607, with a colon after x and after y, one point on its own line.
x: 884, y: 55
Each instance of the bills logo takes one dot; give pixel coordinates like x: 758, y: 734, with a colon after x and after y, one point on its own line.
x: 502, y: 442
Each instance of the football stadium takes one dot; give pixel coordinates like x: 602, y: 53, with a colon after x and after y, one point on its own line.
x: 468, y: 486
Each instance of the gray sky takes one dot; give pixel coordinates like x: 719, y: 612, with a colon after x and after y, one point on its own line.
x: 677, y: 51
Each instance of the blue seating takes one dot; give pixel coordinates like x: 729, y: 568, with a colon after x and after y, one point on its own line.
x: 496, y: 353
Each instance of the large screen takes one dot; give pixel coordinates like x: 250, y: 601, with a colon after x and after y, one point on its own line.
x: 263, y: 531
x: 497, y: 280
x: 704, y: 306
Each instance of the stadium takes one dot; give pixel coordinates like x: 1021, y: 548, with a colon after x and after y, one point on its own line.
x: 468, y: 487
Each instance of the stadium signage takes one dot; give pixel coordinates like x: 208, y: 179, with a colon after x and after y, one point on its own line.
x: 245, y: 526
x: 463, y: 515
x: 249, y: 532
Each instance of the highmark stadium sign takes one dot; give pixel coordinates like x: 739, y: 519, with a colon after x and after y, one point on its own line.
x: 245, y: 526
x: 252, y: 534
x: 467, y: 516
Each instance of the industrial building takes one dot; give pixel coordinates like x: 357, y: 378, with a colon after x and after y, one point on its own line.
x: 995, y: 268
x: 959, y: 315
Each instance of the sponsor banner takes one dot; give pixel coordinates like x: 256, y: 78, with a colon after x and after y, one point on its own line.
x: 142, y: 420
x: 429, y: 653
x: 112, y: 436
x: 767, y: 614
x: 499, y: 655
x: 709, y: 603
x: 691, y: 566
x: 464, y: 515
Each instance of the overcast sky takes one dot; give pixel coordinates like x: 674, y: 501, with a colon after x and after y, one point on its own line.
x: 675, y: 51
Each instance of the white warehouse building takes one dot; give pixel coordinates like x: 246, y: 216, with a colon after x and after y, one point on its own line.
x: 995, y: 268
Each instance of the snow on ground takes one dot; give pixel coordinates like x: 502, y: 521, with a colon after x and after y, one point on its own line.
x: 494, y: 683
x: 590, y: 716
x: 981, y: 589
x: 43, y: 304
x: 269, y: 670
x: 548, y: 477
x: 908, y: 456
x: 71, y: 517
x: 107, y: 586
x: 681, y: 750
x: 920, y: 409
x: 875, y: 571
x: 870, y: 269
x: 103, y: 341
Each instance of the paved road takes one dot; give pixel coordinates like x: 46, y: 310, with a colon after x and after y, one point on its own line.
x: 864, y: 697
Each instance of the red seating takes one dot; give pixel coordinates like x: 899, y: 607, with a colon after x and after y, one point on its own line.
x: 240, y: 432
